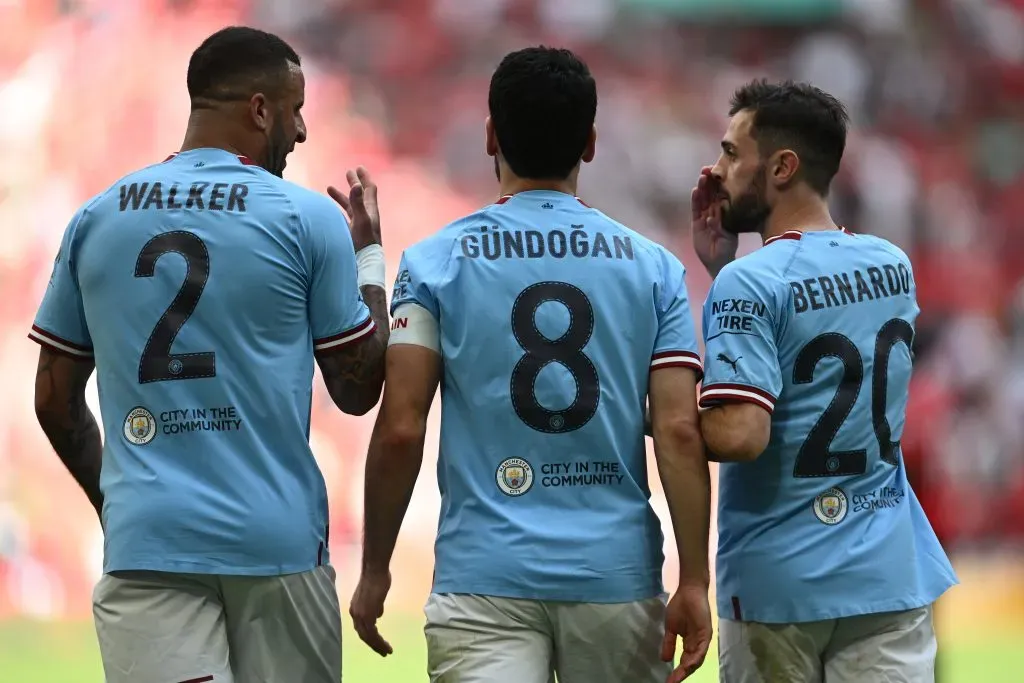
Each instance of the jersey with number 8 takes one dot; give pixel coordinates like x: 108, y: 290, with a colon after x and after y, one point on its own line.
x: 817, y: 328
x: 549, y: 317
x: 201, y: 287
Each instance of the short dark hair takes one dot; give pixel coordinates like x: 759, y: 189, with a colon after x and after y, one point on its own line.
x: 236, y: 62
x: 800, y: 117
x: 542, y: 102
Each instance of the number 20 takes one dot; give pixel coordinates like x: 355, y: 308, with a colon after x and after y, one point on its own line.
x: 815, y: 459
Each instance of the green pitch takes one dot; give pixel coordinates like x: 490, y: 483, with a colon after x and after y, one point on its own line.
x: 66, y: 653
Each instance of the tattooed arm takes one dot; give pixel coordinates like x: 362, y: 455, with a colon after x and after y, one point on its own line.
x: 67, y: 421
x: 354, y: 374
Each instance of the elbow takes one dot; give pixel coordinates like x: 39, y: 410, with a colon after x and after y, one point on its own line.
x: 735, y: 445
x: 684, y: 433
x: 402, y: 437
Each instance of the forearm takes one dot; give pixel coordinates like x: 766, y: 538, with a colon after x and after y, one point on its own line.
x: 686, y: 480
x: 354, y: 376
x: 392, y: 467
x: 377, y: 301
x: 75, y: 437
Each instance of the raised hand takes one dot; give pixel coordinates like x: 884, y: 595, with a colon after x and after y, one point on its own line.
x: 715, y: 247
x: 360, y: 206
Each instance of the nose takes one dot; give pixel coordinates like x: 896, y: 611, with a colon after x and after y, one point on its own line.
x: 718, y: 170
x: 300, y: 134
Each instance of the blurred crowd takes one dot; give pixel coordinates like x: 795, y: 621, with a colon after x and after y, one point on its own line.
x: 92, y: 89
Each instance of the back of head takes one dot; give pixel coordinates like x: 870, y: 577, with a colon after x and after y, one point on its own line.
x: 237, y: 62
x: 543, y: 102
x: 800, y: 117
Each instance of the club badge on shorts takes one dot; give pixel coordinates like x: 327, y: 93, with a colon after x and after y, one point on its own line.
x: 140, y: 426
x: 514, y: 477
x: 830, y: 506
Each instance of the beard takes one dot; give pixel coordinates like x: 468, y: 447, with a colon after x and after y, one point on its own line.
x: 277, y: 148
x: 749, y: 211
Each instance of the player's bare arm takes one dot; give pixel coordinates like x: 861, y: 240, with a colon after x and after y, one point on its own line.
x: 67, y: 421
x: 735, y: 431
x: 683, y: 468
x: 355, y: 375
x: 392, y: 467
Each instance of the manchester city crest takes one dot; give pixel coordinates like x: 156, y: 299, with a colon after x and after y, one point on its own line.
x: 830, y: 506
x: 514, y: 477
x: 139, y: 426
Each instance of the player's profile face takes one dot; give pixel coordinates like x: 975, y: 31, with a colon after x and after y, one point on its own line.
x: 288, y: 126
x: 743, y: 177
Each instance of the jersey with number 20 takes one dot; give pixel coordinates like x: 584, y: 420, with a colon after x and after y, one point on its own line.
x: 201, y: 287
x: 817, y: 328
x: 549, y: 318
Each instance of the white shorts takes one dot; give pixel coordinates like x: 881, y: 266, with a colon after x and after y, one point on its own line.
x: 480, y: 639
x: 892, y: 647
x: 157, y: 627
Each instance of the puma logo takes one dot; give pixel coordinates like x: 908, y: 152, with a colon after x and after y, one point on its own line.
x: 725, y: 359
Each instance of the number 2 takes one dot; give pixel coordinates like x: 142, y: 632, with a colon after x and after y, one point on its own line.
x: 567, y: 350
x: 814, y: 458
x: 157, y: 363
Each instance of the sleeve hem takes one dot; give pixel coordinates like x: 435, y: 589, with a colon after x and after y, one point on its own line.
x: 58, y: 344
x: 677, y: 359
x: 346, y: 338
x: 713, y: 394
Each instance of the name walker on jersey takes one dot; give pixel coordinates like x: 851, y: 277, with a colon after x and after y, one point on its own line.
x: 493, y: 243
x: 195, y: 196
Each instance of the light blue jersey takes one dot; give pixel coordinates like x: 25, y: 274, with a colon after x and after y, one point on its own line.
x: 551, y: 318
x: 817, y: 329
x: 201, y: 287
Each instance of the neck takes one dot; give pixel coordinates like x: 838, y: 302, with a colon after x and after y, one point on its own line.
x: 512, y: 184
x: 804, y: 210
x: 206, y: 131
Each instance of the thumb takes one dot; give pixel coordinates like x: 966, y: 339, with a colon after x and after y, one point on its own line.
x: 668, y: 646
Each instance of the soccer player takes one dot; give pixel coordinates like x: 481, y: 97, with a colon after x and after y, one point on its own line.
x: 200, y: 289
x: 547, y: 325
x: 827, y: 566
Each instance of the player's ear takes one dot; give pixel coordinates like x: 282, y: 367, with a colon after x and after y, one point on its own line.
x: 784, y: 166
x: 259, y: 110
x: 491, y: 138
x: 591, y: 149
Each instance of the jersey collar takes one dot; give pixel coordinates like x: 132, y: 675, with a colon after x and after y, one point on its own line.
x: 246, y: 161
x: 796, y: 234
x: 505, y: 198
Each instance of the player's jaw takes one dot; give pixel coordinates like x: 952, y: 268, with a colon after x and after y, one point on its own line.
x: 747, y: 210
x: 278, y: 148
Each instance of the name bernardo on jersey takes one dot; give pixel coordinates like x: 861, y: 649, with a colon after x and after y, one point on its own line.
x: 839, y: 289
x: 494, y: 243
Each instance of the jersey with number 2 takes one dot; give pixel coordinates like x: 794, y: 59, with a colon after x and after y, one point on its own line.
x: 817, y: 328
x: 551, y: 317
x: 201, y: 287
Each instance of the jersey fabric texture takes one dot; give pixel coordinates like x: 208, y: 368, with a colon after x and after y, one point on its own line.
x: 201, y: 287
x: 817, y: 328
x: 551, y: 318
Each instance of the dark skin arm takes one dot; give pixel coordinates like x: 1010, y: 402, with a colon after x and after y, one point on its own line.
x: 67, y: 421
x: 354, y: 375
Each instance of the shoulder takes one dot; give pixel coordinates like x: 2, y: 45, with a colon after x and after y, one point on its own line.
x: 882, y: 245
x: 439, y: 246
x: 759, y: 274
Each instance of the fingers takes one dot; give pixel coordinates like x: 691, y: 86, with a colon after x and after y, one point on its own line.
x: 342, y: 200
x: 368, y: 633
x: 695, y: 650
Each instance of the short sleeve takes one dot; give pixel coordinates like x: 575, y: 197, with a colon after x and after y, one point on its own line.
x: 338, y: 316
x: 413, y: 283
x: 676, y: 343
x: 60, y: 321
x: 741, y: 361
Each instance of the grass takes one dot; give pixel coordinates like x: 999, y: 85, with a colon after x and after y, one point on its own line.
x: 39, y: 652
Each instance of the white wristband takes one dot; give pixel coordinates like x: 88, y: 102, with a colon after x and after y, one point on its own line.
x: 370, y: 266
